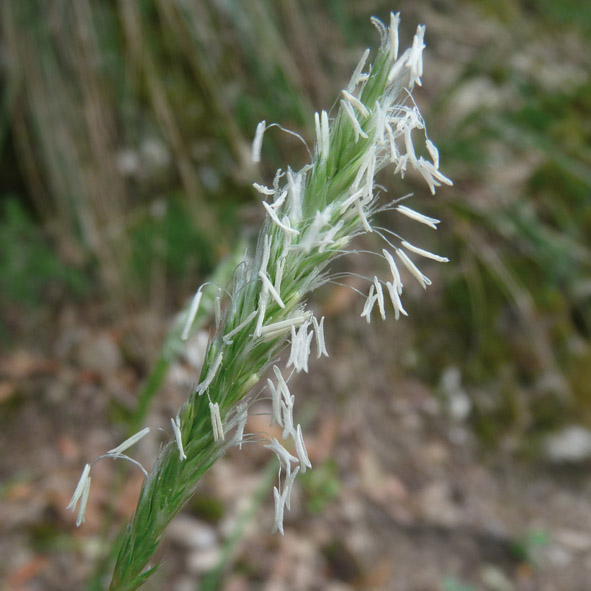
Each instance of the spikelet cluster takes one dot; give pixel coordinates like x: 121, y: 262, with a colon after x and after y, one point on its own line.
x: 312, y: 216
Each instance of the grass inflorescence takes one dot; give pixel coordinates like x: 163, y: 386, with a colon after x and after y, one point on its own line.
x: 312, y: 216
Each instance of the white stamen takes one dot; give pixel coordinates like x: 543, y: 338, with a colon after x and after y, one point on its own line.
x: 279, y: 508
x: 352, y: 199
x: 394, y: 270
x: 351, y: 115
x: 424, y: 253
x: 242, y: 413
x: 217, y: 307
x: 355, y: 102
x: 301, y: 450
x: 216, y: 421
x: 300, y: 348
x: 357, y: 73
x: 287, y: 412
x: 369, y: 303
x: 129, y: 442
x: 210, y: 374
x: 380, y: 295
x: 433, y: 152
x: 279, y: 273
x: 318, y: 133
x: 433, y: 176
x: 319, y: 332
x: 193, y: 308
x: 258, y: 331
x: 394, y: 154
x: 176, y: 428
x: 394, y: 22
x: 83, y: 501
x: 415, y: 59
x: 410, y: 149
x: 276, y: 404
x: 243, y: 324
x: 288, y: 485
x: 294, y: 350
x: 266, y: 254
x: 284, y: 457
x: 369, y: 177
x: 294, y: 183
x: 398, y: 65
x: 325, y: 134
x: 414, y: 270
x: 363, y: 217
x: 419, y: 217
x: 257, y: 142
x: 79, y: 488
x: 272, y: 289
x: 322, y: 137
x: 277, y: 221
x: 276, y: 328
x: 282, y: 384
x: 396, y: 302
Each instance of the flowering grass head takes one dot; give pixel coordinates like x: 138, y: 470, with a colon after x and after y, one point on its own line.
x: 312, y: 217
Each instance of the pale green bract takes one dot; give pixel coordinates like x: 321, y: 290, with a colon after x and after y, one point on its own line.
x: 311, y: 217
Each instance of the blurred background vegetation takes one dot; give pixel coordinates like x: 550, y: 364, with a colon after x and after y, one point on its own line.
x: 125, y: 131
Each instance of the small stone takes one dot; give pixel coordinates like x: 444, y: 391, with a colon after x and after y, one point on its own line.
x: 572, y: 444
x: 496, y: 580
x: 192, y: 533
x: 100, y: 354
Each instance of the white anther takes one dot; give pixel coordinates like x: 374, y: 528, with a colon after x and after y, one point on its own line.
x: 433, y: 152
x: 419, y: 217
x: 301, y: 450
x: 396, y: 302
x: 351, y: 115
x: 216, y: 421
x: 228, y: 337
x: 414, y: 270
x: 394, y: 270
x: 193, y: 308
x: 279, y: 508
x: 176, y: 428
x: 355, y: 102
x: 424, y: 253
x: 272, y: 290
x: 357, y: 73
x: 369, y: 304
x: 319, y: 333
x: 277, y: 328
x: 129, y: 442
x: 257, y: 142
x: 394, y: 22
x: 277, y: 221
x: 284, y: 457
x: 210, y: 374
x: 380, y: 295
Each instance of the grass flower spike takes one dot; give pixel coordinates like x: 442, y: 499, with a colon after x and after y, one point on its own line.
x: 312, y: 215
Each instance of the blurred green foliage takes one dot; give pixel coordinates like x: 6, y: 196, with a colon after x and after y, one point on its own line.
x: 453, y: 584
x: 527, y: 547
x: 322, y: 485
x: 30, y: 270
